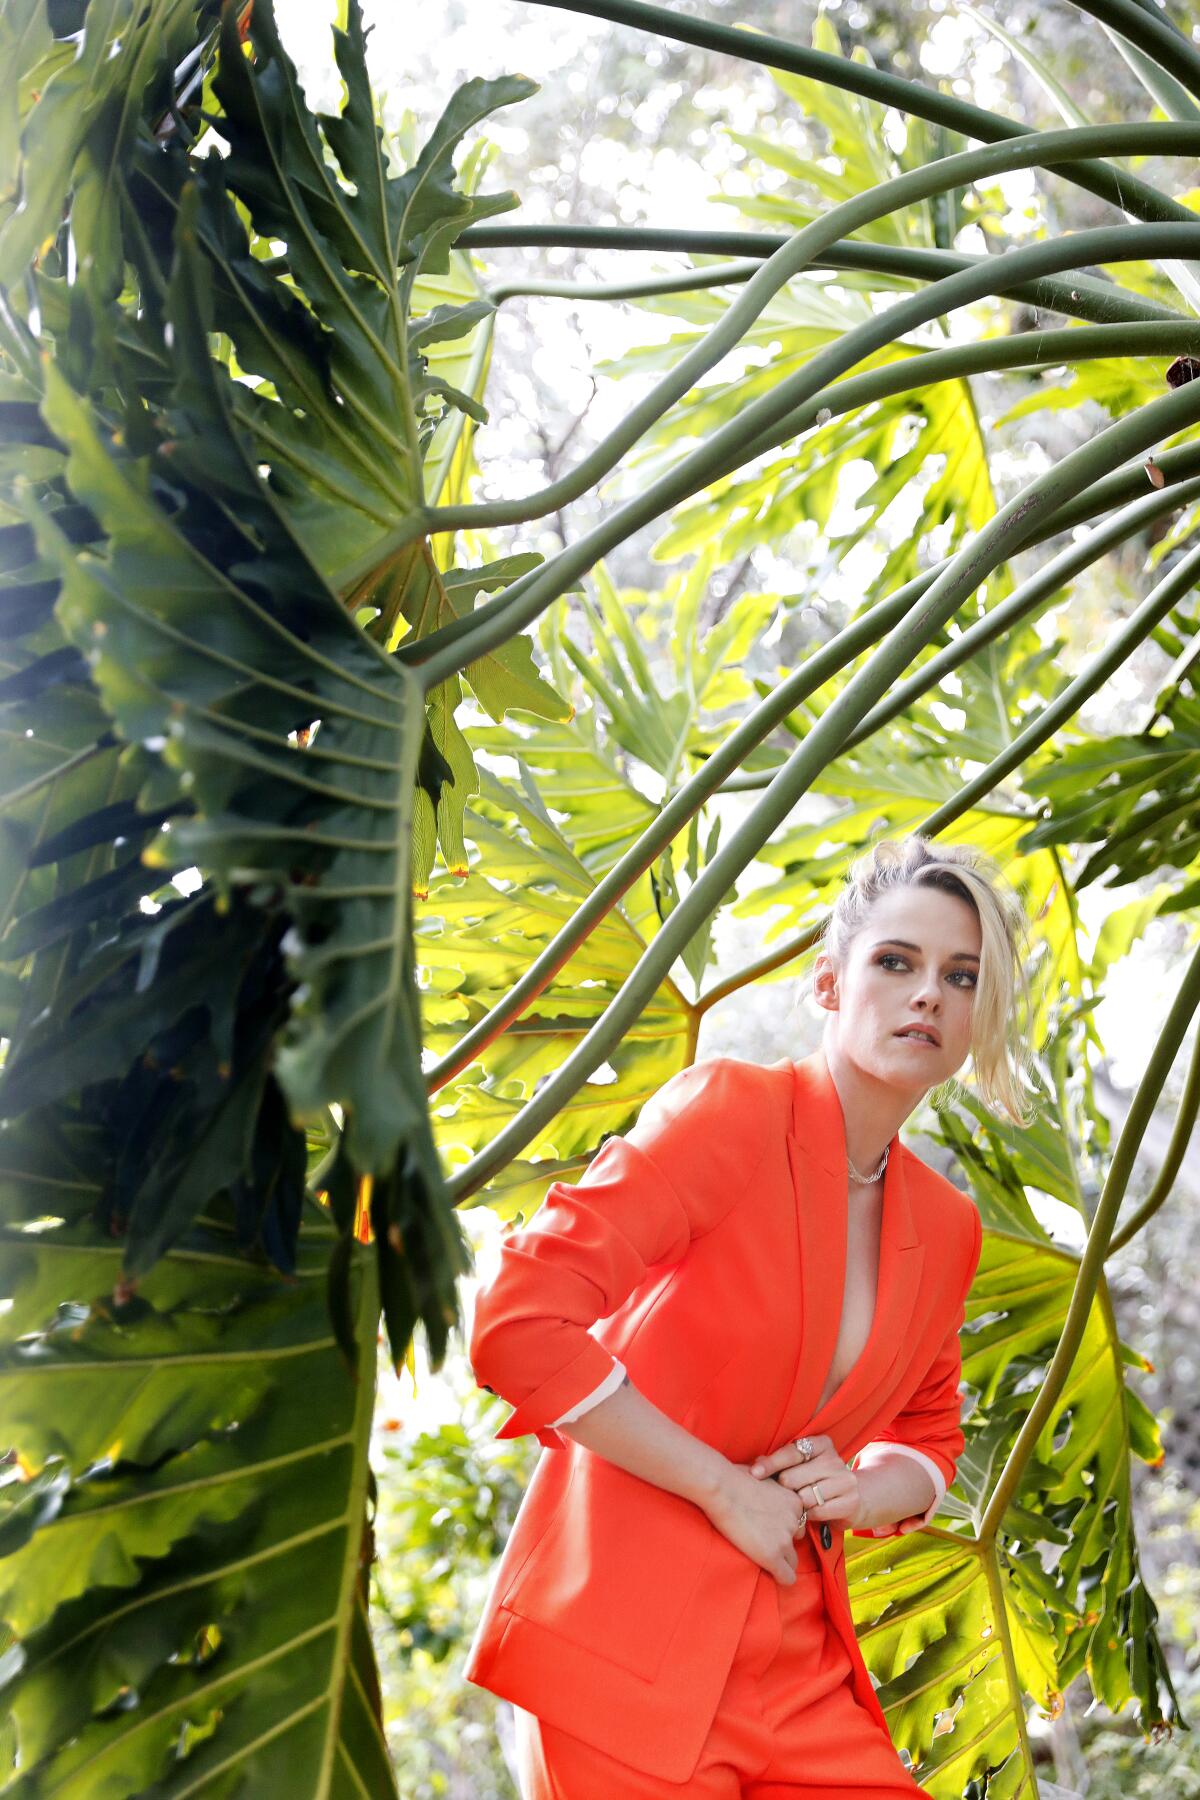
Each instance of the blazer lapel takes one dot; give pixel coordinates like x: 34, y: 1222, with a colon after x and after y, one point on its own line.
x: 816, y: 1146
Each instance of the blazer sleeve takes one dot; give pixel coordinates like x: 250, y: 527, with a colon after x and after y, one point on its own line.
x: 929, y: 1428
x: 639, y: 1203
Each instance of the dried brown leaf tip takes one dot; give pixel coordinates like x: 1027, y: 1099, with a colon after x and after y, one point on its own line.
x: 1183, y: 369
x: 1157, y: 478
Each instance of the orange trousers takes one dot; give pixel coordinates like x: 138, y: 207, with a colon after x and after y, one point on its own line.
x: 787, y: 1726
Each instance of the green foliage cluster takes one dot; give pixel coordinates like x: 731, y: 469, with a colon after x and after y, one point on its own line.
x: 264, y: 859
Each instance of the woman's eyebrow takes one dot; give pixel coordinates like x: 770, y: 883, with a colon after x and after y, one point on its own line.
x: 959, y: 955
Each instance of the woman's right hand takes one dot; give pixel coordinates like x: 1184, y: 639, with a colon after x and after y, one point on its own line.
x: 761, y: 1518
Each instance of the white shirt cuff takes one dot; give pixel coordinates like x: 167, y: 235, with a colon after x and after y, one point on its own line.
x: 609, y: 1385
x: 879, y: 1450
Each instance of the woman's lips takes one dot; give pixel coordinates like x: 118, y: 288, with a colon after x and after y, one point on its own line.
x: 911, y: 1037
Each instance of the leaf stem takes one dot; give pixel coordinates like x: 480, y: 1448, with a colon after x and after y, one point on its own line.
x: 1096, y: 1249
x: 1083, y: 297
x: 871, y: 83
x: 1185, y: 1120
x: 448, y: 650
x: 966, y: 570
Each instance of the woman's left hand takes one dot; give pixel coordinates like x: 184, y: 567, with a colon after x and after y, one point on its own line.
x: 837, y: 1497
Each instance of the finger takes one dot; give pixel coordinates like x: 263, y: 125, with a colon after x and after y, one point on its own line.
x: 801, y: 1480
x: 825, y: 1464
x: 787, y: 1456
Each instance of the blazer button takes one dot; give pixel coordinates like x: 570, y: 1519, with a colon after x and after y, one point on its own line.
x: 826, y: 1535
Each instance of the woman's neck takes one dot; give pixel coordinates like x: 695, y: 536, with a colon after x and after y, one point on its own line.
x: 872, y: 1113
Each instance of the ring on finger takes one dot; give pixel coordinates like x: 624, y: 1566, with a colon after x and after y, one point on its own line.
x: 801, y: 1522
x: 816, y: 1488
x: 806, y: 1447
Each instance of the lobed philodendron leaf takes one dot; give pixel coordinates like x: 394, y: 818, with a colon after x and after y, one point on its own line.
x: 212, y: 639
x: 961, y: 1631
x: 183, y: 1560
x: 344, y: 425
x: 474, y: 940
x: 70, y: 110
x: 1131, y: 797
x: 413, y: 589
x: 963, y: 1627
x: 319, y: 252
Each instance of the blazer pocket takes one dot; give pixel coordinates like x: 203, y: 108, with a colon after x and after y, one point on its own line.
x: 616, y: 1568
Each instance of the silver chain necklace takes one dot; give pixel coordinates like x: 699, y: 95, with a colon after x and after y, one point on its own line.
x: 865, y: 1180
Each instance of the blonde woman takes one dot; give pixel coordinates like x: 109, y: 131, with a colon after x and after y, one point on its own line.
x: 737, y: 1336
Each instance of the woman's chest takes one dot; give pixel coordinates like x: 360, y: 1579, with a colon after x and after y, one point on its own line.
x: 859, y: 1289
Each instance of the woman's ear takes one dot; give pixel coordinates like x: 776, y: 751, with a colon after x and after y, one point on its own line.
x: 825, y: 985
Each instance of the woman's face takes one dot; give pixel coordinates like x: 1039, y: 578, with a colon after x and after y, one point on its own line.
x: 913, y: 963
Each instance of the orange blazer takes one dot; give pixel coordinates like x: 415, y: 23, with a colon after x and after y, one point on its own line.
x: 706, y: 1249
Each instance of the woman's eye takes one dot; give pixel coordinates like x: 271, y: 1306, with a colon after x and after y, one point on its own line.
x: 961, y: 977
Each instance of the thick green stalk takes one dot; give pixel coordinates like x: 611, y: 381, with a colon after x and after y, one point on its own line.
x: 1152, y: 35
x: 687, y: 280
x: 1001, y: 272
x: 1154, y: 608
x: 991, y: 276
x: 1181, y: 1135
x: 1091, y: 1264
x: 1009, y: 611
x: 993, y: 545
x: 1014, y: 607
x: 1081, y: 297
x: 1162, y: 86
x: 771, y: 711
x: 448, y: 650
x: 1176, y: 467
x: 909, y: 97
x: 987, y: 356
x: 866, y: 630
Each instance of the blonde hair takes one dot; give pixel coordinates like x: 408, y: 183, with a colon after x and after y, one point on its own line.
x: 1000, y: 1053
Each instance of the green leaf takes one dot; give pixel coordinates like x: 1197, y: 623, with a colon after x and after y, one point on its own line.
x: 74, y: 136
x: 181, y: 1560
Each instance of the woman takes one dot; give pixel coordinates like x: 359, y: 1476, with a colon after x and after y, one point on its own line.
x: 738, y: 1335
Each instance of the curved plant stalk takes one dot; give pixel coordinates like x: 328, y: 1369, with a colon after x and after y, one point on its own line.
x: 1098, y: 1246
x: 993, y: 545
x: 1152, y: 34
x: 1175, y: 466
x: 1007, y: 612
x: 772, y: 709
x: 1156, y: 606
x: 1061, y: 568
x: 447, y: 651
x: 1156, y: 78
x: 1083, y: 297
x: 909, y: 97
x: 1174, y: 98
x: 1164, y: 1181
x: 1043, y: 149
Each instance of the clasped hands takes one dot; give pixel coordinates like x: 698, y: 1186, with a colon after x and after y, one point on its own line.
x: 761, y: 1518
x: 826, y: 1486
